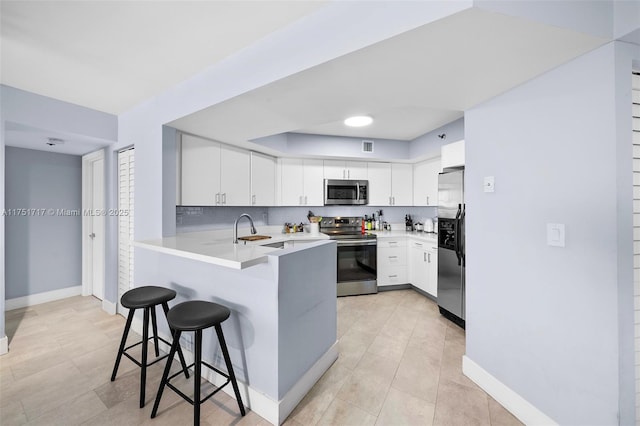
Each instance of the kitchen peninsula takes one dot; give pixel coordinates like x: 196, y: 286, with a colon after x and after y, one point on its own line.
x: 282, y: 331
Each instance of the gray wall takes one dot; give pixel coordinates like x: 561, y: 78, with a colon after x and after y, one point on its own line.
x: 551, y: 334
x: 44, y: 252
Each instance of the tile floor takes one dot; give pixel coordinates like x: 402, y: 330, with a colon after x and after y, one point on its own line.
x: 399, y: 364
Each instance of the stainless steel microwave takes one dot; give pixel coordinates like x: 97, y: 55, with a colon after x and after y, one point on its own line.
x: 341, y: 192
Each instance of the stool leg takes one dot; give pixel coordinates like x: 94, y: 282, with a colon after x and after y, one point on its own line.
x: 165, y: 307
x: 122, y: 343
x: 227, y: 360
x: 154, y: 325
x: 196, y: 377
x: 143, y: 367
x: 175, y: 345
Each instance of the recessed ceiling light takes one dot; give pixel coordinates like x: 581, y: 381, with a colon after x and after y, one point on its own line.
x: 358, y: 121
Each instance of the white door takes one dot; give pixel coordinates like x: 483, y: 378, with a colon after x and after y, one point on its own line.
x: 93, y: 237
x: 292, y: 188
x: 356, y: 170
x: 235, y: 171
x: 313, y: 181
x: 126, y: 167
x: 334, y: 169
x: 402, y: 184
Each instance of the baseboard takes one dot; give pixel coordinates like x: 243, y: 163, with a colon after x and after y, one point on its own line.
x: 275, y: 412
x: 509, y: 399
x: 47, y: 296
x: 109, y: 307
x: 4, y: 345
x: 394, y: 287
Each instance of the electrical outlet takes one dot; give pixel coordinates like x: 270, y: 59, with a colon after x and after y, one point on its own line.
x: 489, y: 184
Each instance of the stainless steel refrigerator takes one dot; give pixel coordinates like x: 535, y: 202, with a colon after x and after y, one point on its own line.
x: 451, y: 246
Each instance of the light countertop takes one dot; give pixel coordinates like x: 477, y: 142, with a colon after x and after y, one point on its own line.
x: 217, y: 247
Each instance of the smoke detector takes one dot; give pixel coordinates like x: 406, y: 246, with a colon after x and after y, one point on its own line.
x: 54, y: 141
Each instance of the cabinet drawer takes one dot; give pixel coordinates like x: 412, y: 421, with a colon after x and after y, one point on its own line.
x: 391, y: 242
x: 392, y: 275
x: 392, y: 256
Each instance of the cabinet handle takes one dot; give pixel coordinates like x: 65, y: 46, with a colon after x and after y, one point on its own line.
x: 393, y: 242
x: 305, y: 200
x: 348, y: 174
x: 417, y: 244
x: 427, y: 200
x: 224, y: 198
x: 429, y: 257
x: 217, y: 198
x: 394, y: 201
x: 393, y: 257
x: 425, y: 256
x: 390, y: 201
x: 393, y: 276
x: 253, y: 199
x: 300, y: 200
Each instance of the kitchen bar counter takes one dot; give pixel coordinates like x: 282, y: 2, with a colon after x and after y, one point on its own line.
x: 282, y: 331
x: 217, y: 248
x: 427, y: 237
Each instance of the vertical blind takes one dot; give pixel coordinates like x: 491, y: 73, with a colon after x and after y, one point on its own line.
x: 126, y: 166
x: 635, y: 112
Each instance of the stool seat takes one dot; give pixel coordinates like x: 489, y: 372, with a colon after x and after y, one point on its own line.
x: 196, y: 315
x: 142, y: 297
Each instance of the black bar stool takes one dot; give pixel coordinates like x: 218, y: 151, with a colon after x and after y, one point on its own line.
x: 146, y: 298
x: 196, y: 316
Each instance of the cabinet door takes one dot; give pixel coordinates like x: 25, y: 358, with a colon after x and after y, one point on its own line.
x: 379, y: 175
x: 356, y: 170
x: 313, y: 183
x: 432, y: 271
x: 402, y: 184
x: 334, y: 169
x: 200, y: 177
x: 425, y: 182
x: 292, y: 188
x: 263, y: 180
x: 418, y: 266
x: 235, y: 171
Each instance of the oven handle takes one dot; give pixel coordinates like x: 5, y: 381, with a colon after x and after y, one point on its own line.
x: 342, y: 243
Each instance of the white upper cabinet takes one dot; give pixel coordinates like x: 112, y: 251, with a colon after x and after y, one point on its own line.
x: 340, y: 169
x: 390, y: 184
x: 263, y: 180
x: 200, y: 172
x: 425, y: 182
x: 213, y: 174
x: 452, y: 155
x: 301, y: 182
x: 235, y: 172
x: 402, y: 184
x: 379, y: 175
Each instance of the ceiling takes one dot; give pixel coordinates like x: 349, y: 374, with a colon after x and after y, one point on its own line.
x: 111, y: 55
x: 410, y: 84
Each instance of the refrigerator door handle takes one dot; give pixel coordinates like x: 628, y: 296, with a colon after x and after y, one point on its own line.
x: 456, y: 230
x: 461, y: 235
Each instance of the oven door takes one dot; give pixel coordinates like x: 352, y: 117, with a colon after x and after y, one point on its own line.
x: 357, y: 267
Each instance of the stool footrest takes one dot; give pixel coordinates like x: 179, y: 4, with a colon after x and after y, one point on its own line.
x: 215, y: 391
x: 138, y: 363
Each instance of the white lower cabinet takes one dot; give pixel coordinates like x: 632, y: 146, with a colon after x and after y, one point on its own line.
x: 423, y: 267
x: 392, y: 262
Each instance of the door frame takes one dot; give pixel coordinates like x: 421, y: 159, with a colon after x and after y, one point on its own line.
x: 87, y: 244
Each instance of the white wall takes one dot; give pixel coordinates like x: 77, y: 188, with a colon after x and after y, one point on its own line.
x: 552, y: 332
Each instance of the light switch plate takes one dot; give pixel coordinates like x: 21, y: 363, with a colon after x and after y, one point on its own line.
x: 489, y: 184
x: 555, y: 234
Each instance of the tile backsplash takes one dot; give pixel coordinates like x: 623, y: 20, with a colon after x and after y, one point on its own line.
x: 189, y: 219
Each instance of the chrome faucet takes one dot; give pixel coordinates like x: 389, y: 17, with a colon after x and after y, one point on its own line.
x: 235, y: 227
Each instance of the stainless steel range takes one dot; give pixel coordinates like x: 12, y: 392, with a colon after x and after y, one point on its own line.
x: 357, y: 252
